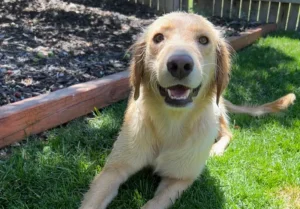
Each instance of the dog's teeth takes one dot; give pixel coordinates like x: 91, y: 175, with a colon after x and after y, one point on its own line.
x: 184, y: 96
x: 169, y: 93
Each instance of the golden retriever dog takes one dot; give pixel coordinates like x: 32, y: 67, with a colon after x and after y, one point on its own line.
x: 179, y: 69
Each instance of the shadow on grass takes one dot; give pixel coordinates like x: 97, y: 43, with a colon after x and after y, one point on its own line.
x: 286, y: 34
x: 204, y: 193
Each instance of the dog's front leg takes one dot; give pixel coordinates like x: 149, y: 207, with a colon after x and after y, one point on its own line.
x: 167, y: 192
x: 105, y: 186
x: 223, y: 139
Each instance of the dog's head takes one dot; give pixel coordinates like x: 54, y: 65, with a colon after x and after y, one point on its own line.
x: 180, y: 58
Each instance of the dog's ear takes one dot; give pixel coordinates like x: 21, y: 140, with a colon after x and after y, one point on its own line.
x: 137, y: 65
x: 223, y: 68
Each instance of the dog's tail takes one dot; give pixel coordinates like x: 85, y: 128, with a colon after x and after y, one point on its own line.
x: 271, y: 107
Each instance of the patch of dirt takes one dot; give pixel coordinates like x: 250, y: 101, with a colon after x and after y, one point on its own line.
x: 46, y: 45
x: 291, y: 197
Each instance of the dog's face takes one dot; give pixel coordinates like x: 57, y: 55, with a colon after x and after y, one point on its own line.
x: 180, y: 57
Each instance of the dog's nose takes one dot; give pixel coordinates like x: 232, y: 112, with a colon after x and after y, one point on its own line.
x: 180, y: 66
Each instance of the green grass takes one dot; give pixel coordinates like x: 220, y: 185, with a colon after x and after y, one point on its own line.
x: 260, y: 168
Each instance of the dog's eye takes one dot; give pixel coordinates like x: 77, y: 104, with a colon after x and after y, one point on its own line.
x: 158, y: 38
x: 203, y: 40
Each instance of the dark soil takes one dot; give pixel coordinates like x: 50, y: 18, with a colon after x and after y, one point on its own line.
x: 46, y: 45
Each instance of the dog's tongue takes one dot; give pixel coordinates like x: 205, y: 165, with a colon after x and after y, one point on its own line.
x: 180, y: 92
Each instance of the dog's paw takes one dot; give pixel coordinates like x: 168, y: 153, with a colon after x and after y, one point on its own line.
x: 216, y: 150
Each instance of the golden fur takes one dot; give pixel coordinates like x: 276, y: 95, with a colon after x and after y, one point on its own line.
x: 175, y: 141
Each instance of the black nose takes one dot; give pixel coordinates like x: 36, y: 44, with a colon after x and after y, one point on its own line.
x: 180, y: 66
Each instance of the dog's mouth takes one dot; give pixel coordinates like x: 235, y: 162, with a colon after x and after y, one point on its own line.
x: 179, y: 95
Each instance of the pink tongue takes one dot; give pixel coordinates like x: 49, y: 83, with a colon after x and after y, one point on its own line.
x: 178, y: 91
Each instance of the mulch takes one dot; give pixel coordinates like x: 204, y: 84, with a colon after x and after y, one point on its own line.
x: 46, y: 45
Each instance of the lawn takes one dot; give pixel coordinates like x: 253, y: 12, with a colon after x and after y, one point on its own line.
x: 260, y: 168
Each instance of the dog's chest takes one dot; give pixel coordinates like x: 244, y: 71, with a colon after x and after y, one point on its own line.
x: 180, y: 157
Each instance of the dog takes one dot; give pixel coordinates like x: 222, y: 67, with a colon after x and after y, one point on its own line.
x: 176, y: 112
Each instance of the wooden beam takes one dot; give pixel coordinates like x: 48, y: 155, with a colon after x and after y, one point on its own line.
x: 31, y: 116
x: 34, y: 115
x: 247, y: 38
